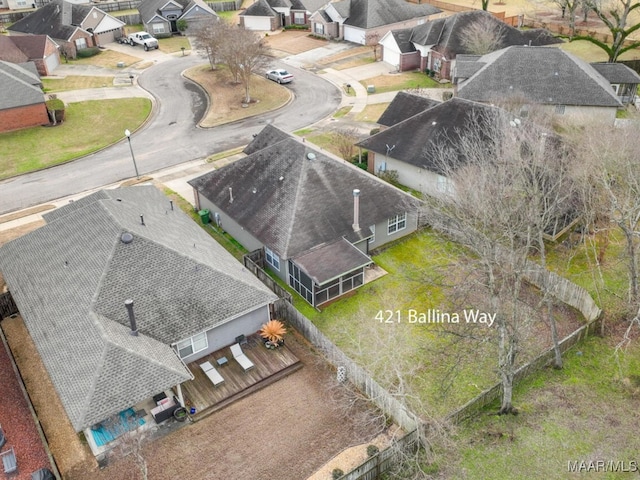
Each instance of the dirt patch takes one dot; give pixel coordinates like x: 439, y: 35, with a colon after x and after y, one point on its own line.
x: 226, y: 98
x: 294, y: 42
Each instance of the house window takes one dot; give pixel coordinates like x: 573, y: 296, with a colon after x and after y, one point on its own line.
x: 81, y: 43
x: 397, y: 223
x: 560, y: 109
x: 158, y: 28
x: 192, y: 345
x: 444, y: 185
x: 21, y: 3
x: 318, y: 28
x: 272, y: 258
x: 298, y: 18
x: 373, y: 236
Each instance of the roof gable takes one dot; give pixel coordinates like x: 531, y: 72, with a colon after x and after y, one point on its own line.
x: 261, y: 8
x: 20, y: 87
x: 292, y: 197
x: 9, y: 51
x: 405, y: 105
x: 58, y: 19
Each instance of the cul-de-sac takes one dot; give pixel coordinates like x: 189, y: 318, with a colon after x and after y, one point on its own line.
x: 319, y: 239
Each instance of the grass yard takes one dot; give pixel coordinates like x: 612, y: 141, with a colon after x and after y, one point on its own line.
x: 371, y: 112
x: 107, y: 59
x: 581, y: 413
x: 174, y: 44
x: 226, y: 98
x: 75, y: 82
x: 40, y: 147
x: 402, y: 81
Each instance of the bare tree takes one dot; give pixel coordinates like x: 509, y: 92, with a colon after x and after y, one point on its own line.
x: 210, y: 38
x: 345, y: 139
x: 615, y: 14
x: 483, y: 36
x: 129, y: 443
x: 569, y: 9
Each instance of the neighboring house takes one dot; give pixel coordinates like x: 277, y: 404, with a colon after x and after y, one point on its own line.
x: 298, y: 205
x: 564, y: 84
x: 270, y: 15
x: 70, y: 25
x: 161, y: 17
x: 367, y: 21
x: 71, y: 278
x: 409, y: 147
x: 434, y: 45
x: 405, y: 105
x: 622, y: 79
x: 22, y: 102
x: 39, y: 49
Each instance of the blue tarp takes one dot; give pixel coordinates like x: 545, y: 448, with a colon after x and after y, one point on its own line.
x: 123, y: 422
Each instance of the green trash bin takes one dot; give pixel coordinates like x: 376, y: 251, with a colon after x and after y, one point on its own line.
x: 204, y: 216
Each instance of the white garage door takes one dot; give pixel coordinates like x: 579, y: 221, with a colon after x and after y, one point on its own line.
x: 257, y: 23
x: 52, y: 61
x: 390, y: 56
x: 355, y: 35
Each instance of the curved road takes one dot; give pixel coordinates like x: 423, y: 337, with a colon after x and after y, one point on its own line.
x: 171, y: 137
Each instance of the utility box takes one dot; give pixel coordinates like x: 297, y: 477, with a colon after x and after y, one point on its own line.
x: 371, y: 89
x: 204, y: 216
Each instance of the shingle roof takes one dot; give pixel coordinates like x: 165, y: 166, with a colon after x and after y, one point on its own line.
x: 617, y: 73
x: 150, y: 8
x: 280, y: 3
x: 343, y: 7
x: 20, y: 87
x: 411, y: 140
x: 48, y: 20
x: 402, y: 38
x: 298, y: 203
x: 261, y: 8
x: 329, y: 261
x: 71, y: 277
x: 9, y: 51
x: 375, y: 13
x: 268, y: 136
x: 428, y: 33
x: 405, y: 105
x: 32, y: 45
x: 308, y: 5
x: 548, y: 76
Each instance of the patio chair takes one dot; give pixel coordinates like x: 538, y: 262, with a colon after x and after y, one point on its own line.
x: 241, y: 340
x: 213, y: 375
x: 241, y: 358
x: 9, y: 461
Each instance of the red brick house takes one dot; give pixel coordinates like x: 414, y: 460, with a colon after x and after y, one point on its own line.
x: 39, y: 49
x: 22, y: 102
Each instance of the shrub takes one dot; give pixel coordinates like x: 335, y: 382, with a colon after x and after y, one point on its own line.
x: 88, y: 52
x: 336, y: 473
x: 390, y: 176
x: 372, y: 450
x: 55, y: 104
x: 296, y: 27
x: 447, y: 96
x: 374, y: 131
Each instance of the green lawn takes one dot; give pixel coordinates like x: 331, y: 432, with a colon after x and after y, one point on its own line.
x: 75, y: 82
x: 89, y: 126
x: 174, y: 44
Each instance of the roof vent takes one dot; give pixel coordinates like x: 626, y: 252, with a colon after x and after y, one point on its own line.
x: 118, y: 199
x: 141, y: 219
x: 281, y: 178
x: 434, y: 123
x: 311, y: 156
x: 126, y: 238
x: 254, y: 190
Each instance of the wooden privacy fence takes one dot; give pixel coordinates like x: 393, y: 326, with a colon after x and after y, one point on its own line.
x: 7, y: 306
x: 254, y: 262
x: 227, y: 6
x: 118, y: 6
x: 384, y: 460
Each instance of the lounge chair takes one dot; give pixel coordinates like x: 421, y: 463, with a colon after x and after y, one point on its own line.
x: 9, y: 461
x: 212, y: 373
x: 241, y: 358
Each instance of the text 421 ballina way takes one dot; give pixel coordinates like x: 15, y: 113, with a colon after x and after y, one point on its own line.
x: 434, y: 315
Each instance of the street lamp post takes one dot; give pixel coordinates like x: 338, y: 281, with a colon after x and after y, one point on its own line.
x: 128, y: 134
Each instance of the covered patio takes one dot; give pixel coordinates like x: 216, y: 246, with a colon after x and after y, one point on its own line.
x: 269, y: 366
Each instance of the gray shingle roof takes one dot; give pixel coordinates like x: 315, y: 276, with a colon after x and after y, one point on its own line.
x: 48, y: 20
x: 308, y: 5
x: 405, y: 105
x: 442, y: 125
x: 329, y: 261
x: 71, y: 277
x: 343, y: 7
x: 150, y: 8
x: 298, y: 203
x: 617, y: 73
x: 375, y: 13
x: 548, y: 76
x: 20, y: 87
x: 402, y: 38
x: 428, y: 33
x: 261, y: 8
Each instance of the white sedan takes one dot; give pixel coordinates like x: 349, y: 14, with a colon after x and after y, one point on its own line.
x: 279, y: 75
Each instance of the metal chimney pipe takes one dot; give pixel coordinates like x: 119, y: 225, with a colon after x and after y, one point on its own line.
x: 141, y: 219
x: 356, y: 210
x: 230, y: 195
x: 171, y: 203
x: 132, y: 319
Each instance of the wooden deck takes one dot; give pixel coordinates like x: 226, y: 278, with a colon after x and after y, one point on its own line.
x: 270, y: 366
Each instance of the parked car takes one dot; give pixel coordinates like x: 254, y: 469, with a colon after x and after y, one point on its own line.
x: 144, y: 39
x: 279, y: 75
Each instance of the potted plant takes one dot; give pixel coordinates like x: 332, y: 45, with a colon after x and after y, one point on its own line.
x: 273, y: 333
x: 180, y: 414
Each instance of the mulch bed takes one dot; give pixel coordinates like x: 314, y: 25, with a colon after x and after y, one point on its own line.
x: 18, y: 423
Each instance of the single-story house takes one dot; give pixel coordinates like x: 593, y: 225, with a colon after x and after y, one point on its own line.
x: 270, y: 15
x: 161, y: 17
x: 367, y: 21
x: 316, y: 218
x: 119, y: 290
x: 40, y: 49
x: 564, y: 84
x: 72, y: 26
x: 22, y: 102
x: 622, y: 79
x: 434, y: 45
x: 409, y: 147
